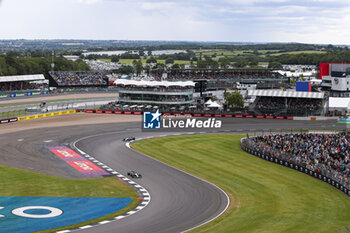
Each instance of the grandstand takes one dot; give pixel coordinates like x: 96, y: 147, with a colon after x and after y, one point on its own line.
x: 292, y: 103
x: 16, y: 83
x: 225, y: 78
x: 154, y: 93
x: 77, y: 79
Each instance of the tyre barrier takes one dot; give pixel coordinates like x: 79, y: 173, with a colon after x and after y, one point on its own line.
x: 299, y: 168
x: 8, y: 120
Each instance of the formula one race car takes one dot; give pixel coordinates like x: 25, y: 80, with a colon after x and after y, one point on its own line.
x: 128, y: 139
x: 134, y: 174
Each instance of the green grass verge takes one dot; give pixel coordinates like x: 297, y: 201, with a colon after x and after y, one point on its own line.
x: 16, y: 113
x: 17, y: 182
x: 265, y: 197
x: 54, y: 101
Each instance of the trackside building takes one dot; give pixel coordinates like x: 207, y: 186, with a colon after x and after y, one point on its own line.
x: 336, y: 78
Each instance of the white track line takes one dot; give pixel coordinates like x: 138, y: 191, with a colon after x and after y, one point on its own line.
x: 141, y: 190
x: 227, y: 197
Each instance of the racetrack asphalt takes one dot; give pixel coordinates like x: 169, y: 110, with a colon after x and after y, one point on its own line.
x: 179, y: 201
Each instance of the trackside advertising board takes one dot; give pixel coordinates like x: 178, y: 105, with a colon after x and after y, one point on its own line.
x: 78, y: 162
x: 46, y: 115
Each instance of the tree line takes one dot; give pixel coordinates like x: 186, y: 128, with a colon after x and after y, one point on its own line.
x: 10, y: 65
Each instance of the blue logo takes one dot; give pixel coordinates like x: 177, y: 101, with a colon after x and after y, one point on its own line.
x: 29, y: 214
x: 151, y: 120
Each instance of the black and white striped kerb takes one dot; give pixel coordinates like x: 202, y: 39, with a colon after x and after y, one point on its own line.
x: 143, y: 193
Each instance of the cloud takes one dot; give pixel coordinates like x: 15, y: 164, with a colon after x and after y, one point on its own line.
x: 312, y: 21
x: 90, y: 2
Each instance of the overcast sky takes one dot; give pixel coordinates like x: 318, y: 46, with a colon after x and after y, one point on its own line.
x: 309, y: 21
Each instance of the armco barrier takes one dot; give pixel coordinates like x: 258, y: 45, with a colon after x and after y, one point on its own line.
x: 297, y: 167
x: 199, y: 114
x: 46, y: 115
x: 8, y: 120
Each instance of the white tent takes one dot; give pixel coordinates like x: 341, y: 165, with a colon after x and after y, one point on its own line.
x: 214, y: 105
x: 209, y: 102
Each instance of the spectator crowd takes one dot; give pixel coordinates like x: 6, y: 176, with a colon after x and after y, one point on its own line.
x: 73, y: 78
x: 18, y: 86
x: 317, y: 152
x: 294, y: 106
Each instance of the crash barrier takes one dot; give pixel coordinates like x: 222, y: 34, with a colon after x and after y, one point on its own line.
x: 13, y: 95
x: 32, y: 117
x: 8, y: 120
x: 327, y: 175
x: 189, y: 114
x: 316, y: 118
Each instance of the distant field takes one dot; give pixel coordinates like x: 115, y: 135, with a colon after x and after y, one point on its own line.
x: 105, y: 60
x: 220, y: 53
x: 265, y: 197
x: 16, y: 182
x: 263, y: 53
x: 298, y: 52
x: 129, y: 61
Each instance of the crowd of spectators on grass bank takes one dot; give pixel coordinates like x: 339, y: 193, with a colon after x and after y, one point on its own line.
x: 193, y: 75
x: 72, y: 78
x: 317, y: 152
x: 18, y: 86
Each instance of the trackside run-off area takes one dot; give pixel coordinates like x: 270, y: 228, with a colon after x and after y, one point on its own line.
x: 265, y: 197
x: 75, y: 202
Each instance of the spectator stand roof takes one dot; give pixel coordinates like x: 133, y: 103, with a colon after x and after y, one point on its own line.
x: 18, y: 78
x: 286, y: 94
x: 143, y: 83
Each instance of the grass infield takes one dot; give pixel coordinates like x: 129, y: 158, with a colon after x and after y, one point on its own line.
x: 265, y: 197
x: 17, y: 182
